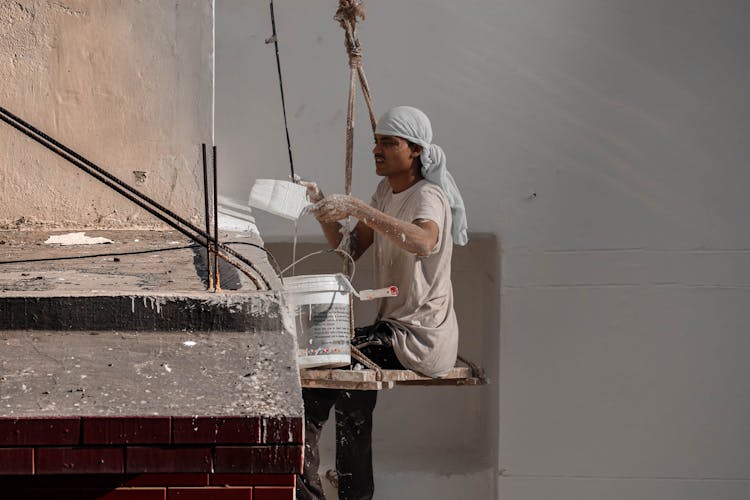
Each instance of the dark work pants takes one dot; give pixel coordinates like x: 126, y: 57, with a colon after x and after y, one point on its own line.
x: 353, y: 410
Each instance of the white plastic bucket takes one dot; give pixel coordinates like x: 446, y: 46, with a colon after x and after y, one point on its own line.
x: 321, y: 308
x: 283, y: 198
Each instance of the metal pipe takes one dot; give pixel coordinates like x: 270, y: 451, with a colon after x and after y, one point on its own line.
x: 209, y: 276
x: 217, y: 275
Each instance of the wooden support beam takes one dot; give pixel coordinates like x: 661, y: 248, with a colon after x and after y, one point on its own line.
x: 367, y: 379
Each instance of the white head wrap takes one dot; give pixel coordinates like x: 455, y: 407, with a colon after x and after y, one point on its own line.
x: 414, y: 126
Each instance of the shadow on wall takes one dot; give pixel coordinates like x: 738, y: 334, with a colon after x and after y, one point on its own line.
x: 443, y: 430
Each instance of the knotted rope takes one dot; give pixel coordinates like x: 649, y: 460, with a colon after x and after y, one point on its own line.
x: 347, y: 14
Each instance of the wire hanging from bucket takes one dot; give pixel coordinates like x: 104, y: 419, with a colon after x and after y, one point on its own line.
x: 319, y: 252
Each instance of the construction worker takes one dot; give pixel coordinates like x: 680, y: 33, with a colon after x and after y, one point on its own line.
x: 415, y: 216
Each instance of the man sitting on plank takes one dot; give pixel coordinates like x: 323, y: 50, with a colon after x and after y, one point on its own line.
x: 415, y: 216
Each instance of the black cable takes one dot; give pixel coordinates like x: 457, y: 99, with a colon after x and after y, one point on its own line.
x: 120, y: 187
x: 273, y: 260
x: 275, y: 39
x: 92, y: 256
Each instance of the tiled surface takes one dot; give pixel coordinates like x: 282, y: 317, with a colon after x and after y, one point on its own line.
x: 150, y: 487
x: 126, y: 430
x: 223, y: 430
x: 136, y: 445
x: 253, y: 479
x: 258, y: 459
x: 281, y: 430
x: 79, y: 460
x: 16, y: 461
x: 167, y: 480
x: 153, y: 459
x: 210, y: 493
x: 273, y: 493
x: 135, y: 494
x: 49, y: 431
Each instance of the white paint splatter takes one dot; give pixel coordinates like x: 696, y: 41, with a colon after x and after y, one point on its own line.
x: 75, y: 239
x: 189, y: 343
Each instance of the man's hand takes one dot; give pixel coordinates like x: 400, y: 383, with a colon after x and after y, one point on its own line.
x: 336, y: 207
x: 314, y: 194
x: 418, y: 237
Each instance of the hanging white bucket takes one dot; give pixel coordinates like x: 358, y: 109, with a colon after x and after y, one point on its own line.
x: 283, y: 198
x: 322, y: 312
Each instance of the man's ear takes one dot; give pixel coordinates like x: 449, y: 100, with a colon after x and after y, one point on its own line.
x: 415, y: 150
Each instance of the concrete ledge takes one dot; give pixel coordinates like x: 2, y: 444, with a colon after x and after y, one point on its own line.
x: 142, y: 311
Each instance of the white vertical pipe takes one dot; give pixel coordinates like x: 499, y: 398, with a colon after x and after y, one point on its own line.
x: 213, y: 72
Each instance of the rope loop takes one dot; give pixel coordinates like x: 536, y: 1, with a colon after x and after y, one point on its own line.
x: 347, y: 14
x: 350, y: 10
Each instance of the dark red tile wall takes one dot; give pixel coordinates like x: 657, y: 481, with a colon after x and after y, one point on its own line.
x: 285, y: 459
x: 210, y: 493
x: 16, y: 460
x: 79, y: 461
x: 126, y: 430
x: 149, y: 458
x: 49, y: 431
x: 222, y: 430
x: 91, y: 487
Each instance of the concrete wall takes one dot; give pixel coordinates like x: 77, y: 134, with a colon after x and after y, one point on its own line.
x: 127, y: 84
x: 604, y: 143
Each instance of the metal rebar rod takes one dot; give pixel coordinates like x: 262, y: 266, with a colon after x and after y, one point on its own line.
x: 217, y: 276
x: 98, y: 169
x: 209, y: 277
x: 128, y: 192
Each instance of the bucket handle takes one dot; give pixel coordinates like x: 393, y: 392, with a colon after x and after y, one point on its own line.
x: 364, y: 295
x: 319, y: 252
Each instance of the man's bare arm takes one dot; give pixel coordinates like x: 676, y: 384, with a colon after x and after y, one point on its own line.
x: 417, y: 237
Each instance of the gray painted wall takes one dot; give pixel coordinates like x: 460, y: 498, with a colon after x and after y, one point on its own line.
x: 604, y: 143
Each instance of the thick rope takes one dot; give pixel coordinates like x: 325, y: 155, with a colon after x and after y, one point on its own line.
x: 350, y: 132
x: 347, y: 14
x: 367, y: 362
x: 476, y: 371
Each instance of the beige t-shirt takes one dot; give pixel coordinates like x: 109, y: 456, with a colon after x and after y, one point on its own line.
x: 426, y: 330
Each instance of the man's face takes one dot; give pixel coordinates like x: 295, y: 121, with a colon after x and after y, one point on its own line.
x: 393, y: 155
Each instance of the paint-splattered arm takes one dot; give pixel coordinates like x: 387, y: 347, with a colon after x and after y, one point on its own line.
x: 418, y: 237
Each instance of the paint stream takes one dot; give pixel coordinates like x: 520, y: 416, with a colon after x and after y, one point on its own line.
x: 294, y: 247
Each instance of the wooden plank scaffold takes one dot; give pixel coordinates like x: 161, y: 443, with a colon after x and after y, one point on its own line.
x: 376, y: 379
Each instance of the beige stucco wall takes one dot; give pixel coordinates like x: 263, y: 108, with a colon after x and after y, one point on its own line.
x: 127, y: 84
